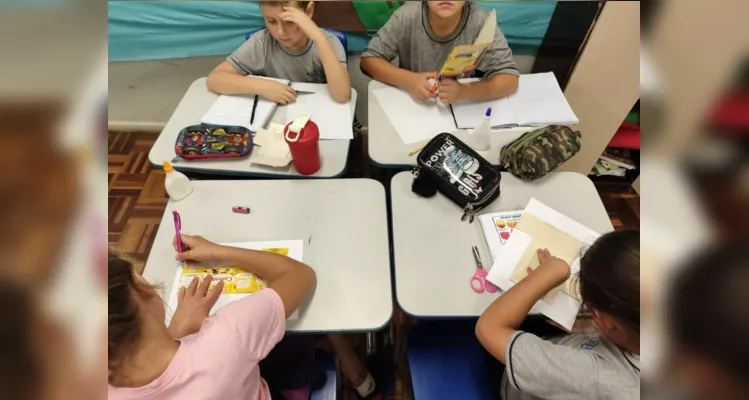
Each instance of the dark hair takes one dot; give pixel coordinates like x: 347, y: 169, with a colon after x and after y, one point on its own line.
x: 610, y: 277
x: 707, y: 307
x: 300, y: 4
x: 124, y: 322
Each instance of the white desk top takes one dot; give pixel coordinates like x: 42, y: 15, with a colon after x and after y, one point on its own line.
x: 386, y: 149
x: 343, y: 223
x: 192, y: 107
x: 433, y: 261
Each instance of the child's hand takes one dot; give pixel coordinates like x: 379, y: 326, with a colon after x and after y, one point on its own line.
x: 195, y: 302
x: 555, y: 268
x: 196, y: 248
x: 305, y: 23
x: 277, y: 92
x: 419, y: 87
x: 450, y: 91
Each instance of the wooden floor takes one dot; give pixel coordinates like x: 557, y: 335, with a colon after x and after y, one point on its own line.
x: 137, y: 200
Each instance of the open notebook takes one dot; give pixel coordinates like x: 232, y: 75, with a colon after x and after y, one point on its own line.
x: 333, y: 118
x: 538, y: 102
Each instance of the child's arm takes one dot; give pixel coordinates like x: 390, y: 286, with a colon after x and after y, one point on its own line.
x: 501, y: 319
x: 495, y: 87
x: 292, y: 280
x: 336, y: 73
x: 500, y: 72
x: 416, y: 84
x: 384, y: 48
x: 225, y: 79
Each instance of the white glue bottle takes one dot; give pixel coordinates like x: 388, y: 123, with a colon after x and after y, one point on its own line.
x: 177, y: 185
x: 480, y: 136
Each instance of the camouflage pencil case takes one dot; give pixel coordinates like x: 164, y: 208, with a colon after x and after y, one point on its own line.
x: 540, y: 151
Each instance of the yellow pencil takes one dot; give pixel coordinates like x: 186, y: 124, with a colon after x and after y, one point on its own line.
x: 416, y: 150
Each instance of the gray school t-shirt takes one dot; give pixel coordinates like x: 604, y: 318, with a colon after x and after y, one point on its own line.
x: 408, y: 35
x: 262, y: 55
x: 576, y: 366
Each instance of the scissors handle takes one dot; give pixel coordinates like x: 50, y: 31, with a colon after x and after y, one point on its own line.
x: 478, y: 284
x: 490, y: 287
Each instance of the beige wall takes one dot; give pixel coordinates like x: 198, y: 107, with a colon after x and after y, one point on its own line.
x: 605, y: 82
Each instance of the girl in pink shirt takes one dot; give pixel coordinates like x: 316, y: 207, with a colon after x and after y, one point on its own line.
x: 199, y: 357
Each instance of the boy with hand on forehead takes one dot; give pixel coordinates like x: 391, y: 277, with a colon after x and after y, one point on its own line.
x: 290, y: 47
x: 422, y: 35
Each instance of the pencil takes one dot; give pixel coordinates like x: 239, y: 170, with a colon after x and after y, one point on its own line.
x: 416, y: 150
x: 254, y: 107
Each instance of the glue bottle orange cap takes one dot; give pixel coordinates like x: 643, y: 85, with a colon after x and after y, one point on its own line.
x: 168, y: 167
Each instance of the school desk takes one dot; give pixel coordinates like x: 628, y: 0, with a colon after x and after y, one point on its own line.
x: 432, y: 246
x: 343, y: 223
x: 387, y: 150
x: 192, y: 107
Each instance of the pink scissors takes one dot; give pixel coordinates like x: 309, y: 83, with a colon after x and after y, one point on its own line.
x: 479, y: 283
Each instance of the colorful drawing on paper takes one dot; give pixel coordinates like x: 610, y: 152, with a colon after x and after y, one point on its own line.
x: 505, y: 224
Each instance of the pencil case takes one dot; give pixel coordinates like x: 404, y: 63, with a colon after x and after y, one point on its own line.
x: 449, y: 166
x: 213, y: 141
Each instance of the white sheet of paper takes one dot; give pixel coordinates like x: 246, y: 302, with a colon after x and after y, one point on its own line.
x: 236, y: 110
x: 296, y: 248
x: 332, y: 118
x: 564, y: 309
x: 414, y: 122
x: 539, y: 101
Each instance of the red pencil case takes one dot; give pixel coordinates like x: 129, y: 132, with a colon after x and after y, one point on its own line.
x: 213, y: 141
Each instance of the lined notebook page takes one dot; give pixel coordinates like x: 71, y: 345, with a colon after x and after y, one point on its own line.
x: 414, y: 121
x: 237, y: 110
x: 470, y: 114
x: 539, y: 101
x: 333, y: 118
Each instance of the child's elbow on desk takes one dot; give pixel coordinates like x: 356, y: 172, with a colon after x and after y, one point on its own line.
x: 340, y: 96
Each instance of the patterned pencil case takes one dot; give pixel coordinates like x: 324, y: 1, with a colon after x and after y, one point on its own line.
x: 213, y: 141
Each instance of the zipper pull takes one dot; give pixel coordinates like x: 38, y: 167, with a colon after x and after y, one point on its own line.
x: 468, y: 213
x: 415, y: 171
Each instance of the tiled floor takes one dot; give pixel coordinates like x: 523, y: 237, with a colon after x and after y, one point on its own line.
x: 137, y: 200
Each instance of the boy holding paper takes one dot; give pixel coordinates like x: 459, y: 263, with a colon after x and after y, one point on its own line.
x: 291, y: 47
x: 422, y: 35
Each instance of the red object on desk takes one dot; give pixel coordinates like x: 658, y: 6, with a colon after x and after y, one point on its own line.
x: 304, y: 147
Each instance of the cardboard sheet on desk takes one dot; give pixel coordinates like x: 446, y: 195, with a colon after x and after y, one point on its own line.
x: 271, y: 149
x: 292, y: 248
x: 559, y: 244
x: 564, y: 308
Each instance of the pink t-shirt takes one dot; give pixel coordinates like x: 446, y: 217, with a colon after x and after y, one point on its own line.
x: 221, y: 360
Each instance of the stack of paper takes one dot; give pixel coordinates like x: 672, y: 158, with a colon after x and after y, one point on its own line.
x: 543, y: 227
x: 332, y: 118
x: 236, y: 110
x: 496, y: 229
x: 539, y: 101
x: 289, y: 248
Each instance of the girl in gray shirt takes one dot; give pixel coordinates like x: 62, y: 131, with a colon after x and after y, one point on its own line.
x: 575, y: 366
